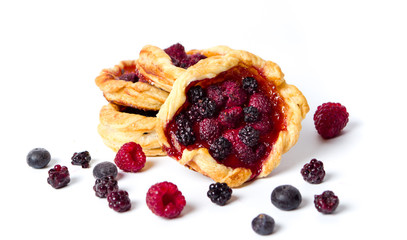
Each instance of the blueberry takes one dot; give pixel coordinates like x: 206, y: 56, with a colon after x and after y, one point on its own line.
x: 286, y: 197
x: 38, y: 158
x: 263, y: 224
x: 105, y: 169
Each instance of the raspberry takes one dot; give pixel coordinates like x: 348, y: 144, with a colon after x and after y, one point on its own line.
x: 220, y: 148
x: 215, y: 93
x: 230, y: 117
x: 232, y: 136
x: 261, y: 102
x: 130, y: 157
x: 245, y: 153
x: 103, y: 186
x: 130, y: 77
x: 82, y: 158
x: 195, y: 93
x: 249, y: 136
x: 209, y: 129
x: 330, y: 118
x: 327, y: 202
x: 250, y: 84
x: 263, y: 125
x: 313, y: 172
x: 177, y: 54
x: 119, y: 201
x: 236, y: 96
x: 219, y: 193
x: 58, y: 176
x: 191, y: 60
x: 251, y: 114
x: 165, y: 200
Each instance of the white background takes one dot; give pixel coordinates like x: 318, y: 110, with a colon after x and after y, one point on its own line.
x: 352, y: 52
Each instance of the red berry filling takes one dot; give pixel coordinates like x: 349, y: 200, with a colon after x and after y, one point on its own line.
x: 237, y: 116
x: 180, y: 58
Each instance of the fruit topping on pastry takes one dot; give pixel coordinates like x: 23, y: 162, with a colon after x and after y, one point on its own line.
x: 180, y: 58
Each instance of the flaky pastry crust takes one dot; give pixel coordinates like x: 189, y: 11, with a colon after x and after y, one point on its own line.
x: 294, y: 110
x: 140, y: 95
x: 117, y: 128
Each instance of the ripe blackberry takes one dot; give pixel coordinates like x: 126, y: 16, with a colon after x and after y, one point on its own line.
x: 81, y: 158
x: 230, y: 117
x: 250, y: 84
x: 38, y: 158
x: 105, y: 169
x: 220, y: 148
x: 195, y: 93
x: 165, y: 200
x: 130, y: 157
x: 209, y: 129
x: 251, y: 114
x: 327, y: 202
x: 263, y: 224
x: 286, y: 197
x: 119, y: 201
x: 103, y: 186
x: 58, y: 176
x: 177, y: 54
x: 261, y: 102
x: 219, y: 193
x: 204, y: 108
x: 330, y: 118
x: 130, y: 77
x: 185, y: 136
x: 313, y: 172
x: 249, y: 136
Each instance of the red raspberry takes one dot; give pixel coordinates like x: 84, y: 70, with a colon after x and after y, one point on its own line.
x: 165, y: 200
x: 330, y: 118
x: 261, y: 102
x: 130, y: 157
x: 236, y: 96
x: 209, y: 129
x: 230, y: 117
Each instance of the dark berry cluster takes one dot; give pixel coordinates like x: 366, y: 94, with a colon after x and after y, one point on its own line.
x: 219, y: 193
x: 313, y: 172
x: 119, y: 201
x: 220, y: 149
x: 81, y: 158
x: 326, y: 202
x: 103, y: 186
x: 58, y: 176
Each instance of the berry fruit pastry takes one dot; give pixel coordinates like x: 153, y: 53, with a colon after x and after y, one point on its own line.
x: 231, y: 116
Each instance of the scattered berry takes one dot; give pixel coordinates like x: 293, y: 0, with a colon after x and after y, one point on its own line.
x: 250, y: 84
x: 38, y: 158
x: 130, y: 77
x: 219, y: 193
x: 251, y: 114
x: 195, y: 93
x: 261, y: 102
x: 230, y: 117
x: 119, y: 201
x: 103, y: 186
x: 263, y: 224
x: 82, y: 158
x: 330, y: 118
x: 220, y: 148
x: 58, y: 176
x: 313, y: 172
x: 209, y: 129
x: 327, y: 202
x: 130, y: 157
x: 105, y: 169
x: 165, y: 200
x: 249, y: 136
x: 286, y: 197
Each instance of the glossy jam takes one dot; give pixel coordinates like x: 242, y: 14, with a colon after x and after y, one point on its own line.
x: 277, y: 117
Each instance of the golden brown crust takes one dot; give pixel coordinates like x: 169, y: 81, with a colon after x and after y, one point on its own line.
x: 139, y: 95
x: 117, y: 128
x: 295, y: 109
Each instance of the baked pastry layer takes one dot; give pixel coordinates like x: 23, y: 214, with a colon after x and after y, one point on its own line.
x: 119, y: 125
x: 293, y: 108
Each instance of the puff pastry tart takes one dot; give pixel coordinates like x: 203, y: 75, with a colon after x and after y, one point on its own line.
x: 162, y: 67
x: 119, y: 125
x: 231, y: 117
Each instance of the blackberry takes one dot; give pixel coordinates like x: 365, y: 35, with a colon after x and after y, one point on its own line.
x: 251, y: 114
x: 286, y: 197
x: 249, y: 136
x: 130, y: 77
x: 327, y: 202
x: 219, y: 193
x: 206, y: 107
x: 263, y: 224
x: 105, y: 169
x: 82, y: 158
x: 195, y: 93
x: 220, y: 148
x: 103, y: 186
x: 38, y: 158
x: 58, y: 176
x: 250, y: 84
x: 119, y: 201
x: 313, y: 172
x: 185, y: 136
